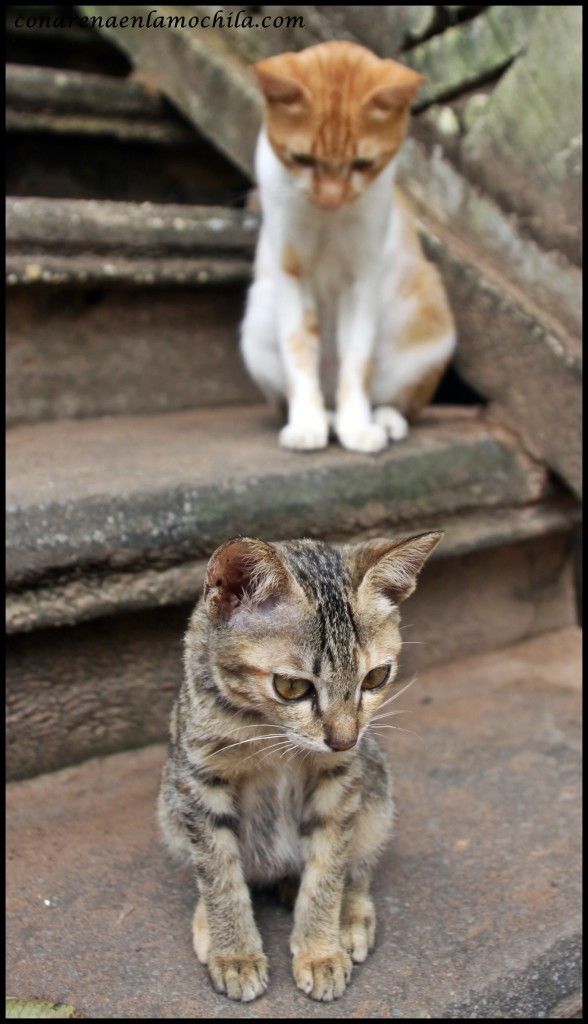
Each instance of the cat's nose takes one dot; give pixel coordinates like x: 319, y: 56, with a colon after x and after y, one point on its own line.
x: 330, y: 194
x: 341, y: 742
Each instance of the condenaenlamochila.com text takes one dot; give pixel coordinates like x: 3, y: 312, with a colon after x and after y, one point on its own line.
x: 154, y: 19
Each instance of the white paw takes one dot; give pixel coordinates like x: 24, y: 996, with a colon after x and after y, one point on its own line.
x: 307, y: 436
x: 392, y: 421
x: 362, y: 437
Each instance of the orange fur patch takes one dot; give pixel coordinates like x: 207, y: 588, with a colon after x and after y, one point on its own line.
x: 291, y: 261
x: 412, y: 399
x: 431, y: 317
x: 311, y: 323
x: 303, y: 346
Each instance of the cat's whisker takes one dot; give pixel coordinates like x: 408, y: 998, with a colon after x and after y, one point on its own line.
x: 398, y: 729
x: 251, y: 739
x: 277, y: 747
x: 396, y: 695
x: 265, y: 751
x: 391, y: 714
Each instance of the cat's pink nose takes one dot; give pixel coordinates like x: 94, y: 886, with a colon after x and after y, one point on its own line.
x: 341, y: 743
x: 330, y: 194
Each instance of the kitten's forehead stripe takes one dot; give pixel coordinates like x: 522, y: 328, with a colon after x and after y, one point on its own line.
x: 324, y: 576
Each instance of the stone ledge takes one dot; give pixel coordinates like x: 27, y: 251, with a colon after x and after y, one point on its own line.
x: 59, y: 101
x: 155, y: 491
x: 64, y: 603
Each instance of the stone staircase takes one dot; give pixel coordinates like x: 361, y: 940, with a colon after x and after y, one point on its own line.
x: 136, y: 444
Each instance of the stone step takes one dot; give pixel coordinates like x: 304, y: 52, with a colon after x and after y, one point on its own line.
x: 66, y: 359
x: 478, y: 893
x: 135, y: 493
x: 106, y: 553
x: 93, y: 242
x: 103, y: 315
x: 63, y: 102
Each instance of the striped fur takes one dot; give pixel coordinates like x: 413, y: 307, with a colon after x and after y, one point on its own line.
x: 259, y: 790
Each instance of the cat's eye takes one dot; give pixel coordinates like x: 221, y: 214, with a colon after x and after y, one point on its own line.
x: 362, y: 164
x: 304, y: 159
x: 290, y: 688
x: 376, y: 678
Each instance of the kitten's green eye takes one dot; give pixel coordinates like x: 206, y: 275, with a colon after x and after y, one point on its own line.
x: 304, y: 159
x: 289, y: 688
x: 376, y: 678
x: 362, y: 165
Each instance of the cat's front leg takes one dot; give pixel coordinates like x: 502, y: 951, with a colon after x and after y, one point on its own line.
x: 321, y: 965
x: 354, y: 422
x: 307, y: 427
x: 225, y: 935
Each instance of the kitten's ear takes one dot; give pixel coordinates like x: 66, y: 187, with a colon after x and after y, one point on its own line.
x: 243, y: 571
x: 396, y: 92
x: 389, y: 568
x: 278, y: 86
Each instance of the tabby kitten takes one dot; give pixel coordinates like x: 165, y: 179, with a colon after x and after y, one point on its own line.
x: 272, y: 771
x: 340, y: 277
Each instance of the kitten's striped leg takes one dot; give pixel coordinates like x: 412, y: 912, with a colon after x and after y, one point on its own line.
x: 321, y: 966
x: 203, y: 809
x: 358, y: 917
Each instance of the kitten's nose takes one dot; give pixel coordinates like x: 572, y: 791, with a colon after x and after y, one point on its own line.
x: 336, y: 742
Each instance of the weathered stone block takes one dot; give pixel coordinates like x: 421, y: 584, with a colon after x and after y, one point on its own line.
x: 525, y: 147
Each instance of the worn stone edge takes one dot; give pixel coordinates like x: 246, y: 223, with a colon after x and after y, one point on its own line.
x: 65, y: 603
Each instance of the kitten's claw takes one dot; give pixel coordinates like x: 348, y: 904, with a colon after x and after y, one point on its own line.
x: 324, y: 977
x: 363, y: 437
x: 307, y: 436
x: 358, y: 930
x: 240, y: 976
x: 392, y: 421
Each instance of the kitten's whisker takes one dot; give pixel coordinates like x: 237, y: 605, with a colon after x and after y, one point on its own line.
x: 273, y: 750
x: 266, y: 751
x: 398, y: 729
x: 405, y: 642
x: 395, y: 696
x: 390, y: 714
x: 292, y: 748
x: 251, y: 739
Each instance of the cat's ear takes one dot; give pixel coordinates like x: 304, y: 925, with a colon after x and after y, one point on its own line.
x: 389, y: 568
x: 396, y: 92
x: 280, y: 87
x: 243, y: 571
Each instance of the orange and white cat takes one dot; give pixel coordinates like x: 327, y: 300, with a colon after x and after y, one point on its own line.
x: 344, y: 310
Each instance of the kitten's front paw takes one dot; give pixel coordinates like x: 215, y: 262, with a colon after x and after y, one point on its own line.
x: 392, y: 421
x: 361, y: 437
x: 307, y: 435
x: 322, y: 977
x: 240, y: 976
x: 358, y: 929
